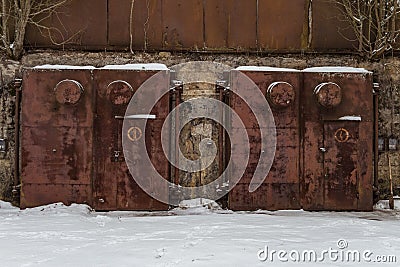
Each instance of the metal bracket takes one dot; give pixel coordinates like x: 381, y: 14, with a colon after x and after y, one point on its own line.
x: 137, y: 117
x: 376, y: 88
x: 3, y: 146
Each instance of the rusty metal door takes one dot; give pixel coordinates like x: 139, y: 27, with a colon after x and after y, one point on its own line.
x: 114, y: 187
x: 56, y: 136
x: 280, y: 189
x: 337, y: 151
x: 340, y: 154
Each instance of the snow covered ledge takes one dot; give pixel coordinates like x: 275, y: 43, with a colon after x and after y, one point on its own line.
x: 147, y: 67
x: 64, y: 67
x: 331, y: 69
x: 265, y: 69
x: 350, y: 118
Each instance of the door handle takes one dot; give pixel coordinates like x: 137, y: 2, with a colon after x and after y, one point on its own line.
x: 137, y: 117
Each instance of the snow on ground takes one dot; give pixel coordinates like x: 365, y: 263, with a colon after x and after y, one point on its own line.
x: 58, y: 235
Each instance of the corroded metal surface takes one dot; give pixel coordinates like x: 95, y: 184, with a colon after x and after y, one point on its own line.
x: 281, y: 94
x: 75, y: 24
x: 56, y: 139
x: 182, y: 24
x: 330, y: 28
x: 225, y: 27
x: 195, y: 25
x: 275, y: 32
x: 71, y: 139
x: 145, y: 25
x: 338, y: 148
x: 113, y: 186
x: 328, y: 95
x: 68, y: 92
x: 280, y: 189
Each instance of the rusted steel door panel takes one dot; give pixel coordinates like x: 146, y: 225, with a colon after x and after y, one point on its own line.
x: 340, y: 165
x: 330, y: 29
x: 285, y: 167
x: 55, y: 154
x: 275, y: 196
x: 284, y: 116
x: 312, y: 181
x: 225, y: 26
x: 35, y: 195
x: 56, y: 136
x: 75, y: 24
x: 146, y: 24
x: 274, y: 192
x: 114, y: 187
x: 338, y: 147
x: 365, y: 163
x: 42, y: 107
x: 239, y: 197
x: 274, y: 31
x: 182, y: 24
x: 243, y: 33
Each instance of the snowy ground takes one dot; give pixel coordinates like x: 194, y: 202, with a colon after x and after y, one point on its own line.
x: 57, y: 235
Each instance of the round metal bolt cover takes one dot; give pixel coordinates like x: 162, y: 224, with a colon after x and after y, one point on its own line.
x: 328, y: 95
x: 281, y: 94
x: 119, y: 92
x: 68, y: 92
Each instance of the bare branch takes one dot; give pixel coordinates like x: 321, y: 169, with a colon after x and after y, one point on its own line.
x: 18, y: 13
x: 374, y: 23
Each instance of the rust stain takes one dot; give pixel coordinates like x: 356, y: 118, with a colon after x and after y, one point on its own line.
x: 113, y: 186
x: 224, y: 25
x: 336, y: 146
x: 329, y: 95
x: 210, y: 25
x: 119, y: 92
x: 274, y: 31
x: 182, y: 24
x: 71, y: 140
x: 280, y: 189
x: 56, y: 138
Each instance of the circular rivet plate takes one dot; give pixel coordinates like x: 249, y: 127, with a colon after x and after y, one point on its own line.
x: 329, y: 95
x: 68, y: 92
x: 281, y: 94
x: 119, y: 92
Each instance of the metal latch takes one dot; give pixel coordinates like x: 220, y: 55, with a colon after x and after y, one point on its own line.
x: 117, y: 156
